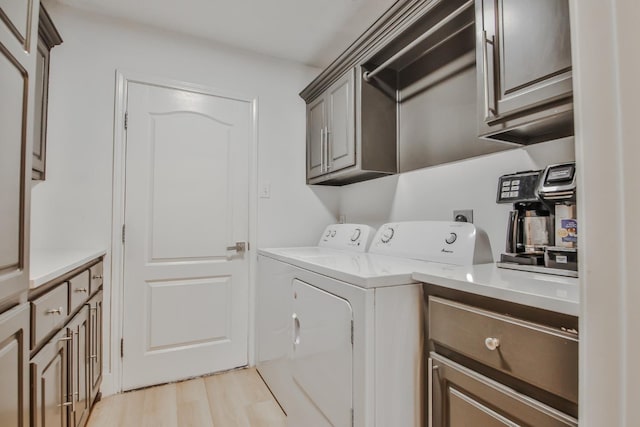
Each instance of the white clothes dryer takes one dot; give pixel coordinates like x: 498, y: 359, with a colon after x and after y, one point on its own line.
x: 340, y: 334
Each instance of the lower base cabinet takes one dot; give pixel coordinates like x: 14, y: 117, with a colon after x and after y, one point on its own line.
x: 66, y: 364
x: 49, y: 391
x: 79, y: 329
x: 14, y: 356
x: 95, y: 345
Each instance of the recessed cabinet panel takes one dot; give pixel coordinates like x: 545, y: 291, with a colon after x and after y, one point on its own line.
x: 78, y: 327
x: 316, y: 121
x: 95, y: 345
x: 341, y: 136
x: 15, y: 14
x: 461, y: 397
x: 13, y: 87
x: 49, y: 395
x: 14, y: 385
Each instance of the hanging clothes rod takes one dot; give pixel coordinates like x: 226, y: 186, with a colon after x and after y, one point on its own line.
x: 367, y: 75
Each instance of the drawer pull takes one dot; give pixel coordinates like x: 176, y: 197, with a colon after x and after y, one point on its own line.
x: 57, y: 311
x: 492, y: 343
x: 81, y: 290
x: 97, y: 276
x: 93, y: 356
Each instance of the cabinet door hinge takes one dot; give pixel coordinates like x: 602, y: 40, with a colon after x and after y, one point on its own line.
x: 352, y: 421
x: 121, y: 347
x: 126, y: 121
x: 123, y: 233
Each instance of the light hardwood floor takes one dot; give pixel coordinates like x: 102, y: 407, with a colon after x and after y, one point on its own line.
x: 237, y: 398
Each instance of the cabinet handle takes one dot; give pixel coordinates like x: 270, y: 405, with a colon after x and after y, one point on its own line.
x: 97, y: 276
x: 492, y: 343
x: 489, y: 111
x: 93, y: 356
x: 322, y: 150
x: 329, y: 149
x: 56, y: 311
x: 80, y: 290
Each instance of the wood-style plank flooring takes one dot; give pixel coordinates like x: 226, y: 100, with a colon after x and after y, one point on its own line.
x: 237, y: 398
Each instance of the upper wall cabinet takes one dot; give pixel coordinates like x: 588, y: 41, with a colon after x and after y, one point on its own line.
x: 523, y: 56
x: 48, y: 38
x: 18, y: 36
x: 338, y: 148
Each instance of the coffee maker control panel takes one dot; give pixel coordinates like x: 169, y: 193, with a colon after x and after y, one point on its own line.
x: 518, y: 187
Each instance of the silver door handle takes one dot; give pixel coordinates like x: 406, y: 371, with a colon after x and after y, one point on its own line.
x: 490, y: 111
x: 240, y: 247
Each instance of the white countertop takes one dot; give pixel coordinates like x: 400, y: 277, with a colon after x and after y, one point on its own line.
x: 47, y: 264
x: 545, y: 291
x: 366, y: 270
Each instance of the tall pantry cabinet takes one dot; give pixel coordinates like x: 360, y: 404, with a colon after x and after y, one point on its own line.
x: 18, y: 50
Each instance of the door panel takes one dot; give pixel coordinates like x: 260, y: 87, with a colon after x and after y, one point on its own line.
x: 49, y: 383
x: 13, y: 87
x: 316, y: 126
x: 186, y: 295
x: 14, y: 386
x: 322, y: 356
x: 341, y: 123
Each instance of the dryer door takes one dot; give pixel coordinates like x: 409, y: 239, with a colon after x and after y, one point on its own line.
x: 322, y: 357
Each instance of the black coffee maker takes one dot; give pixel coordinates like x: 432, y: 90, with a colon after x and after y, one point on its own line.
x: 532, y: 227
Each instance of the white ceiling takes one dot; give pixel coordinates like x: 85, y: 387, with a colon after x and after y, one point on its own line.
x: 312, y: 32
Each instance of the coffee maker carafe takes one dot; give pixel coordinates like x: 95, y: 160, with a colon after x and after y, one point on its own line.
x: 542, y: 227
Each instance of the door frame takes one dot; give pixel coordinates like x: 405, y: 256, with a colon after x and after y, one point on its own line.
x: 112, y: 382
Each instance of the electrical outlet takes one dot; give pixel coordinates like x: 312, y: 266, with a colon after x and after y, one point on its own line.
x: 463, y: 215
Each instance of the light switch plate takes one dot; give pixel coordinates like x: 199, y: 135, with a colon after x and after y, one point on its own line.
x: 265, y: 190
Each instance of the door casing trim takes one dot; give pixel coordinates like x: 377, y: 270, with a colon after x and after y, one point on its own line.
x: 112, y: 381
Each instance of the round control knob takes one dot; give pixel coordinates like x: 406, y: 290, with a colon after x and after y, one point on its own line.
x: 387, y: 235
x: 452, y: 238
x: 356, y: 234
x: 492, y: 343
x: 328, y: 233
x: 333, y: 233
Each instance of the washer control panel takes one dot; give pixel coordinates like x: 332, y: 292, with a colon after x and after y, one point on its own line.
x: 436, y: 241
x: 356, y: 237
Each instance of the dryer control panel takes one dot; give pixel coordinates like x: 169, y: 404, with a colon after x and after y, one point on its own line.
x: 353, y: 237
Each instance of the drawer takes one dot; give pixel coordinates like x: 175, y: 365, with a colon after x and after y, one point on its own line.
x: 48, y: 313
x: 96, y: 276
x: 541, y: 356
x: 78, y: 290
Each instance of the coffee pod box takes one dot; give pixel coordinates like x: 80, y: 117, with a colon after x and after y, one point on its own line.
x: 566, y: 226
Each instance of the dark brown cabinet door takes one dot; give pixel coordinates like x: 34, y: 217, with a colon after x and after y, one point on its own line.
x: 14, y: 374
x: 95, y: 345
x: 79, y: 328
x: 49, y: 394
x: 523, y: 58
x: 18, y: 39
x: 48, y: 38
x: 462, y: 397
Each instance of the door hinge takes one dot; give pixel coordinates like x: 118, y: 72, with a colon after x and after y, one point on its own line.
x: 123, y: 231
x: 126, y: 121
x: 351, y: 331
x: 121, y: 347
x: 352, y: 420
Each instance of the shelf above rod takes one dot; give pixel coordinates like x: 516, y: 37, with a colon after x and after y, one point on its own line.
x: 367, y: 75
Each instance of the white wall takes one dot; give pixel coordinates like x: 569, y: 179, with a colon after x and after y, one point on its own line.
x: 72, y: 208
x: 433, y: 193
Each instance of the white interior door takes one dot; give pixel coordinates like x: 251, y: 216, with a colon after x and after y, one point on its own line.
x: 187, y: 192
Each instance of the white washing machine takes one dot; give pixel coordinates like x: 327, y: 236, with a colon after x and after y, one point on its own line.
x: 339, y: 333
